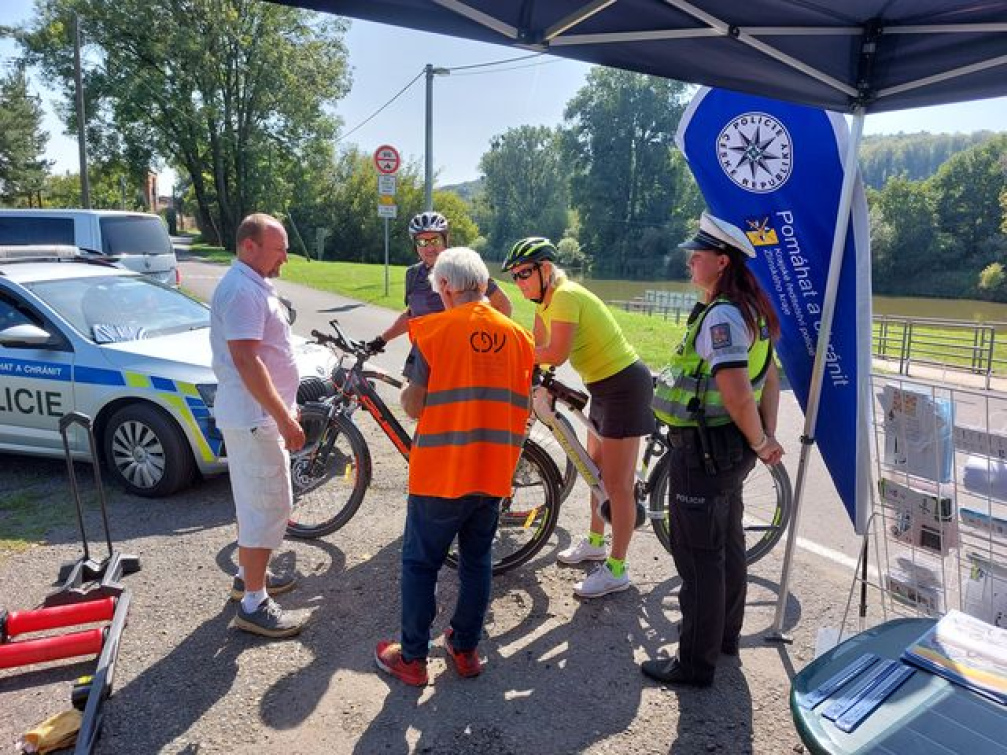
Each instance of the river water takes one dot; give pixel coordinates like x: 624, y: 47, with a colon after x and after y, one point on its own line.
x: 941, y: 309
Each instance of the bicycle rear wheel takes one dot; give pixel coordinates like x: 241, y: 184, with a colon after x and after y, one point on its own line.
x: 768, y: 499
x: 528, y: 517
x: 329, y: 476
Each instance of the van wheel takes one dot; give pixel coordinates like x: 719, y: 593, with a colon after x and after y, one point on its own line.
x: 146, y: 452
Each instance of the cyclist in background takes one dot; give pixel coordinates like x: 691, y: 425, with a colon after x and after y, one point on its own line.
x: 470, y: 392
x: 429, y: 232
x: 719, y: 397
x: 572, y: 323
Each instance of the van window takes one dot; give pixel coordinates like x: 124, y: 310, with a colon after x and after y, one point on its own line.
x: 134, y: 235
x: 20, y: 231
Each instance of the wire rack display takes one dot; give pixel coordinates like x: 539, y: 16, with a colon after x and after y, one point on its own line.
x: 939, y: 523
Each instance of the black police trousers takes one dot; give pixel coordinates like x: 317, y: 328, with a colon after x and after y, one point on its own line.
x: 708, y: 546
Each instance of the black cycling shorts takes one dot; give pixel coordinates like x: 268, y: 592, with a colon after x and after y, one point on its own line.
x: 620, y: 404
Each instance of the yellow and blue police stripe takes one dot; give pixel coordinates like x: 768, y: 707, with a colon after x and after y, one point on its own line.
x: 190, y: 409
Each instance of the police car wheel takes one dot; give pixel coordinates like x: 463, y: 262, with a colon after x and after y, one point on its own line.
x: 146, y: 452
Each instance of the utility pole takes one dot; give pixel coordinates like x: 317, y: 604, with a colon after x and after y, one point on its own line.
x: 428, y: 181
x: 85, y: 188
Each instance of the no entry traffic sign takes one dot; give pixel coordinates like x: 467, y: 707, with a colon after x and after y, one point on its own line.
x: 386, y: 159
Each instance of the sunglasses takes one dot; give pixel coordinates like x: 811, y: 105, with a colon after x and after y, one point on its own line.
x: 424, y: 243
x: 523, y: 275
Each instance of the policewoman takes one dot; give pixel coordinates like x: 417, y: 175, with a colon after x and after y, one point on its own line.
x: 719, y: 396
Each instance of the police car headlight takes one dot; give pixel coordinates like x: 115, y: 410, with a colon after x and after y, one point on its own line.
x: 207, y: 392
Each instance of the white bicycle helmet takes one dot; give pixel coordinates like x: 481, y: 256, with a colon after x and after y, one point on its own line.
x: 428, y: 222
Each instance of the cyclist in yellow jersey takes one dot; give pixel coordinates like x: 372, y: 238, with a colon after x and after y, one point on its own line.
x: 572, y: 323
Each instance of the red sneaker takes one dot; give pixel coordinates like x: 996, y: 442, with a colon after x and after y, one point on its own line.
x: 388, y: 656
x: 467, y: 662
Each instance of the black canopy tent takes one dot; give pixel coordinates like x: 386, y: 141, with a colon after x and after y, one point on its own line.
x: 839, y: 55
x: 851, y: 56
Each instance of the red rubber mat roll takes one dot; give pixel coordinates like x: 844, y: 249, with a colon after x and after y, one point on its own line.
x: 27, y: 652
x: 38, y: 619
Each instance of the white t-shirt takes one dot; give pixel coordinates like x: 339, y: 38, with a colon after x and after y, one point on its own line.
x: 724, y: 339
x: 245, y: 308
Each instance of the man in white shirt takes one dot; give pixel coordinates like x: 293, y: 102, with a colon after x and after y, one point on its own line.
x: 256, y: 411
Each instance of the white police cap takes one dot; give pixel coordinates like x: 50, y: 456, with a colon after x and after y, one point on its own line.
x: 719, y: 236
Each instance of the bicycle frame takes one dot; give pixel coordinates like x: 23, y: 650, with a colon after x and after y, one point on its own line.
x: 354, y: 385
x: 542, y: 405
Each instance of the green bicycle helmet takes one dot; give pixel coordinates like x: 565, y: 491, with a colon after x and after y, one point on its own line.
x: 531, y: 249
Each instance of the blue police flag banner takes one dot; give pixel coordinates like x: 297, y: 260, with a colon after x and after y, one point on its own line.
x: 775, y: 170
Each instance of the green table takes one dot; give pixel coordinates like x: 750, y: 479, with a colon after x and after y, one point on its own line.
x: 927, y: 714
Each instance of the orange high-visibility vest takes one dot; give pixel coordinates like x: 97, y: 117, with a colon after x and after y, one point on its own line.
x: 472, y: 425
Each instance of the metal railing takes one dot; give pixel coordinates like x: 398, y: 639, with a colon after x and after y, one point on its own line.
x: 976, y: 348
x: 947, y: 344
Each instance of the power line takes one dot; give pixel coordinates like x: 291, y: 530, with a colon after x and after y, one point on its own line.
x: 496, y: 62
x: 376, y: 112
x: 513, y: 68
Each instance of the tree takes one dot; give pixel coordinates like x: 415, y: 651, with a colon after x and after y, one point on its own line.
x: 967, y: 191
x: 345, y: 202
x: 525, y: 189
x: 22, y: 141
x: 236, y: 94
x: 618, y: 141
x: 904, y: 233
x: 992, y: 277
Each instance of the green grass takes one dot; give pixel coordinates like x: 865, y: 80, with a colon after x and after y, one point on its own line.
x: 210, y: 253
x: 25, y: 517
x: 653, y: 337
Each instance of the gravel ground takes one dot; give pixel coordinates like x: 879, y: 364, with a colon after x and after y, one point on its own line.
x: 561, y: 677
x: 561, y: 674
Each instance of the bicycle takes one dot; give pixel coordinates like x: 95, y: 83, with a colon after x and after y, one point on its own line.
x: 767, y: 491
x: 331, y: 474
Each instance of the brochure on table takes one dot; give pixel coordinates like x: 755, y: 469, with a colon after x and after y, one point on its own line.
x: 966, y: 651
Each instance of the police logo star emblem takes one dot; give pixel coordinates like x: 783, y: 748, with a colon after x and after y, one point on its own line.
x: 754, y: 150
x: 720, y: 336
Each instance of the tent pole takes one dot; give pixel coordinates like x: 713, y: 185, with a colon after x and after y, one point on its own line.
x: 818, y: 370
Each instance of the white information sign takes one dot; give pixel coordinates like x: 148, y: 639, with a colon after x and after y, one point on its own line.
x: 388, y: 210
x: 386, y: 185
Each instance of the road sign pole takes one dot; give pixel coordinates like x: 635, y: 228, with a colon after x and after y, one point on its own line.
x: 386, y: 256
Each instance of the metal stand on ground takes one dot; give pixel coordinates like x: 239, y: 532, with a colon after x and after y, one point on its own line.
x: 73, y: 576
x: 89, y: 592
x: 861, y: 574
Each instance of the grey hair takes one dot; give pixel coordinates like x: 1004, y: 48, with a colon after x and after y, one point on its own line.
x: 462, y: 269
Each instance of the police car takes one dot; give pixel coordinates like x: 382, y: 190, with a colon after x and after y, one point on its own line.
x: 131, y: 353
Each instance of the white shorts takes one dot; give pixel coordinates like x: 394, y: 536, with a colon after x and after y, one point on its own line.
x: 259, y: 467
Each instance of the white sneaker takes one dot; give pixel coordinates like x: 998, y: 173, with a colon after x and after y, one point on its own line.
x: 601, y: 582
x: 582, y: 551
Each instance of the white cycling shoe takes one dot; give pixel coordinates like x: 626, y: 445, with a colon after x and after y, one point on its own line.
x: 582, y: 551
x: 601, y: 582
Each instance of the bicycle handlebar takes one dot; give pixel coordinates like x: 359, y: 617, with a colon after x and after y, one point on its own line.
x: 343, y: 342
x: 573, y: 398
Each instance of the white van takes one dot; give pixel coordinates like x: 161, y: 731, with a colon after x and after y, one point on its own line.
x: 138, y: 241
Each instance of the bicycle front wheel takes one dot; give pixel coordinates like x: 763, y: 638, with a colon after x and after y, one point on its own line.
x: 768, y: 499
x: 528, y: 517
x: 329, y: 476
x: 542, y: 436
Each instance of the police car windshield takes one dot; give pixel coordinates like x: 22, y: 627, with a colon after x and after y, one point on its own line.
x: 120, y: 308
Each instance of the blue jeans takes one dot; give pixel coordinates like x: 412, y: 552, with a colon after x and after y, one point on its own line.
x: 431, y: 524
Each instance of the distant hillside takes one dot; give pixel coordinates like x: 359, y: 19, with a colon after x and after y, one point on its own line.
x: 466, y: 190
x: 917, y: 156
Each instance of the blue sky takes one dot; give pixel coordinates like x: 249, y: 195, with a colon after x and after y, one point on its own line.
x: 470, y: 107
